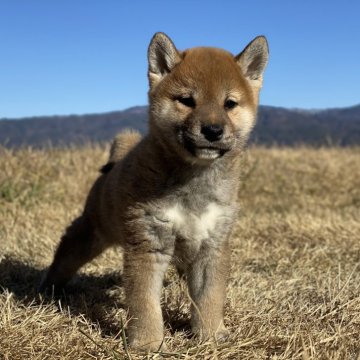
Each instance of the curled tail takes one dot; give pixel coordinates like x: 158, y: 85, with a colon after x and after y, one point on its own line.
x: 121, y: 145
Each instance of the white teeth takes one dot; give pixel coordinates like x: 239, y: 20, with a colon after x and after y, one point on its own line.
x: 207, y: 153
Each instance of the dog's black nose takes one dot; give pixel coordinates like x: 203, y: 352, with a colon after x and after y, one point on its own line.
x: 212, y: 132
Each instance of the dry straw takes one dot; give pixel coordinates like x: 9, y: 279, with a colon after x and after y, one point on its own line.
x: 294, y: 290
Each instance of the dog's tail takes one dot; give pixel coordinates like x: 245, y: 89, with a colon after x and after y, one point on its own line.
x: 121, y: 145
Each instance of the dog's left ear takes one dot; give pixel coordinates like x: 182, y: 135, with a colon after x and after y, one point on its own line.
x: 253, y: 59
x: 162, y: 57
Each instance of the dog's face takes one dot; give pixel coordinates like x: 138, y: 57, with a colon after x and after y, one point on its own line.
x: 203, y: 101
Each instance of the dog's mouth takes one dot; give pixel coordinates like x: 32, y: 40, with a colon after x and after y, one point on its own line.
x: 207, y: 153
x: 203, y: 149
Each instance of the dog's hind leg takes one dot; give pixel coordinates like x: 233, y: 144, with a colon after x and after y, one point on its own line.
x: 78, y: 246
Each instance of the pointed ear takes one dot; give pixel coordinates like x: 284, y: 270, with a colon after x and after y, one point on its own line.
x: 253, y: 59
x: 162, y: 57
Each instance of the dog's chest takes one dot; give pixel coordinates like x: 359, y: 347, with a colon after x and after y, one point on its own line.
x: 198, y: 209
x: 196, y: 212
x: 195, y: 225
x: 197, y: 229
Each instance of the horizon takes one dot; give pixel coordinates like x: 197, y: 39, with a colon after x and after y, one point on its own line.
x: 146, y: 105
x: 83, y: 58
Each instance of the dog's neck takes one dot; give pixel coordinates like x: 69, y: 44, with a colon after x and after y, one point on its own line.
x: 170, y: 169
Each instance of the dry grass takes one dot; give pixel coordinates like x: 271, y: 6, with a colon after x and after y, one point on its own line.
x: 294, y: 291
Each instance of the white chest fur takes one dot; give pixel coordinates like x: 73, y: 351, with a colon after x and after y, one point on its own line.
x: 196, y: 226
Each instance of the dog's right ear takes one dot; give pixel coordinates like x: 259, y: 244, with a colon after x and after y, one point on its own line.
x: 162, y: 57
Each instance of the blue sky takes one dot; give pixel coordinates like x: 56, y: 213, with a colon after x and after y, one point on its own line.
x: 84, y: 56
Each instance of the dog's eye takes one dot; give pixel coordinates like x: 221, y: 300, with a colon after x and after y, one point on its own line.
x: 187, y: 101
x: 230, y: 104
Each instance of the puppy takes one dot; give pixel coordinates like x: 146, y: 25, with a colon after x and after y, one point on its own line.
x: 172, y: 195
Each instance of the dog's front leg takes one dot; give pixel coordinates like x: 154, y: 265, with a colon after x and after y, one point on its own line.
x: 207, y: 284
x: 144, y: 274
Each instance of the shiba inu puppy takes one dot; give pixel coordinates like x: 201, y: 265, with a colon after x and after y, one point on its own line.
x: 171, y: 196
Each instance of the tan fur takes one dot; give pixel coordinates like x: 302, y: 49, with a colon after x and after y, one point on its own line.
x: 122, y: 143
x: 172, y: 196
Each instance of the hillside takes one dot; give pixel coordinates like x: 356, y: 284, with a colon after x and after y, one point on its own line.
x: 275, y: 126
x: 293, y: 127
x: 294, y: 287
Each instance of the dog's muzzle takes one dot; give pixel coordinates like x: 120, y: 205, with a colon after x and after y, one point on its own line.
x: 200, y: 147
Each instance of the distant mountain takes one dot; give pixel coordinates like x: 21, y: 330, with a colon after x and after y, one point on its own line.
x: 318, y: 128
x: 275, y: 125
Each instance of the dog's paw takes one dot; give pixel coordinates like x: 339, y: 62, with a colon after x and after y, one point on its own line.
x: 222, y: 334
x: 148, y: 345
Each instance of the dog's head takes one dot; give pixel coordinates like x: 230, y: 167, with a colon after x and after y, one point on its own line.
x: 203, y: 101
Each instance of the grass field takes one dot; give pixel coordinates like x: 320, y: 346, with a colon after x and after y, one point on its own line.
x: 294, y: 290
